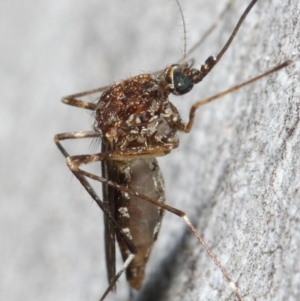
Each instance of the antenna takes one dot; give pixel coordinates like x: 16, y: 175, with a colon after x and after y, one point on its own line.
x: 184, y: 30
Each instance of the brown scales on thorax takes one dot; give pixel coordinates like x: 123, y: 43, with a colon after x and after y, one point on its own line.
x: 136, y: 112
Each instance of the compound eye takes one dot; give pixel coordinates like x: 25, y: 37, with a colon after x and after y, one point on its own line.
x: 182, y: 83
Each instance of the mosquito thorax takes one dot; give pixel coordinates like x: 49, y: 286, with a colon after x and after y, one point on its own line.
x: 136, y: 112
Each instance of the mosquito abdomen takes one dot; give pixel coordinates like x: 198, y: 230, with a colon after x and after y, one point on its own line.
x: 139, y: 220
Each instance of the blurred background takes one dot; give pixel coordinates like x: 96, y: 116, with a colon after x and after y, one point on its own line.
x: 51, y: 232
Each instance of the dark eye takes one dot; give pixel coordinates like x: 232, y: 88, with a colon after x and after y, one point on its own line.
x: 182, y: 83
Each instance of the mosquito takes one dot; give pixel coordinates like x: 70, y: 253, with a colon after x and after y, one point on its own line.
x: 136, y: 123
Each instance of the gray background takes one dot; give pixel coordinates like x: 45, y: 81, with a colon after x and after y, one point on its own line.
x: 236, y: 175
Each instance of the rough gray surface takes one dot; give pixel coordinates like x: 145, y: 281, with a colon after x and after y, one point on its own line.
x: 237, y: 174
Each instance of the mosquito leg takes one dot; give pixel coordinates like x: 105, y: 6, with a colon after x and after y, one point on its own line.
x: 79, y: 103
x: 72, y: 135
x: 196, y: 105
x: 118, y: 275
x: 213, y: 257
x: 86, y: 184
x: 73, y: 101
x: 174, y: 211
x: 75, y: 162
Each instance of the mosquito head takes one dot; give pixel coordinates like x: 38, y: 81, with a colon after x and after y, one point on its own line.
x: 180, y: 78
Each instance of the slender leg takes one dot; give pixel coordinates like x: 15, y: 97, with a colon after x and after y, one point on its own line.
x: 202, y: 102
x: 75, y: 162
x: 86, y: 184
x: 131, y: 247
x: 118, y: 275
x: 73, y: 101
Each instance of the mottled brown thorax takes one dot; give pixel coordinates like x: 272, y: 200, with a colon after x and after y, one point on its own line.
x: 137, y: 112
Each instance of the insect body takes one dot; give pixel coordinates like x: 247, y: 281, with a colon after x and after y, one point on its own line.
x: 136, y: 123
x: 136, y: 115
